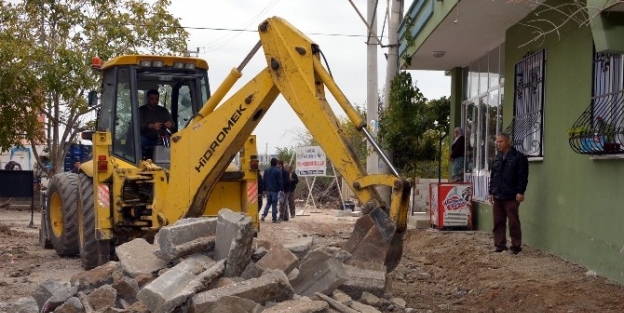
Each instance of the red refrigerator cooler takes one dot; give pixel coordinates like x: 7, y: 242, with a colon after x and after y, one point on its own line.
x: 450, y: 205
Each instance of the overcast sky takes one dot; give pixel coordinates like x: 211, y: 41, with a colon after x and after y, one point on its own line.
x: 345, y: 52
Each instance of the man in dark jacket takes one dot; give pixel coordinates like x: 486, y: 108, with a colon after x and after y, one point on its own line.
x: 508, y: 181
x: 273, y: 184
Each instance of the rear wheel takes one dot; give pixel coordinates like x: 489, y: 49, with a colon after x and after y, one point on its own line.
x: 93, y: 252
x: 61, y: 214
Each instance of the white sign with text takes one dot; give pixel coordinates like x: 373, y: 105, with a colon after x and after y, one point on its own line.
x: 311, y: 161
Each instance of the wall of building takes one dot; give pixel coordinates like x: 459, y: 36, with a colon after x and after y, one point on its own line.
x: 573, y: 202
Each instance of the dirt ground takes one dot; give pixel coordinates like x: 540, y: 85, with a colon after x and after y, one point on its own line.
x: 439, y: 272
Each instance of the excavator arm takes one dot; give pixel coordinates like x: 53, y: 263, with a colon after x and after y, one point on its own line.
x: 219, y: 130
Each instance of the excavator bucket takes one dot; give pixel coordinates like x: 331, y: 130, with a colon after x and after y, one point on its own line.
x: 375, y: 241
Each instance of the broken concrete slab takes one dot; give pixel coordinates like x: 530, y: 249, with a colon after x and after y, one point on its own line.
x: 299, y: 306
x: 198, y: 245
x: 102, y: 298
x: 97, y: 277
x: 301, y: 246
x: 279, y: 258
x: 137, y: 257
x: 167, y: 286
x: 183, y: 231
x: 235, y: 235
x: 199, y: 283
x: 319, y: 272
x: 272, y: 286
x: 252, y: 271
x: 359, y: 280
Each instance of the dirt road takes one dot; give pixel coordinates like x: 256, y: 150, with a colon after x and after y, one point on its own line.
x: 440, y: 271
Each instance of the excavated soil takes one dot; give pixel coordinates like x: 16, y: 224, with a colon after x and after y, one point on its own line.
x: 439, y: 272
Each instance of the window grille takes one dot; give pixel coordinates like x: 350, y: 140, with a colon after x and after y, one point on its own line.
x: 527, y: 125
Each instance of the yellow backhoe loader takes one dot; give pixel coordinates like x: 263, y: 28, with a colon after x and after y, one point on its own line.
x: 131, y: 189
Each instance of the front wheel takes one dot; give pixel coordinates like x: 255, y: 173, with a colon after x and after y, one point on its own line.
x: 61, y: 213
x: 93, y: 252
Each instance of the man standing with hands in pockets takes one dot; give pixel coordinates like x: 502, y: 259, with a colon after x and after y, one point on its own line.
x: 508, y: 181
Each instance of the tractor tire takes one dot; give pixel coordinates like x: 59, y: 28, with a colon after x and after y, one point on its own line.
x: 93, y: 252
x: 62, y: 213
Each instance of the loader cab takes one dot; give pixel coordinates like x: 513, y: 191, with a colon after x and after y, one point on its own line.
x: 182, y: 84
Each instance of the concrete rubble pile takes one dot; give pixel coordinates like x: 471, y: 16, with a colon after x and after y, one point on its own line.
x: 216, y: 265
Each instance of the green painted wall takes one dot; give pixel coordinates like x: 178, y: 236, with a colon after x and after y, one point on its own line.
x: 574, y: 206
x: 607, y: 27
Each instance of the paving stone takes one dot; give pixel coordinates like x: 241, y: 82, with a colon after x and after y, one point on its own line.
x: 367, y: 243
x: 167, y: 287
x: 272, y: 286
x: 235, y: 235
x: 252, y: 271
x: 363, y: 308
x: 319, y: 272
x: 97, y: 277
x: 72, y: 305
x: 370, y: 299
x: 222, y: 282
x: 102, y: 298
x: 231, y: 304
x: 137, y: 257
x: 144, y: 279
x: 24, y: 305
x: 127, y: 288
x: 199, y: 245
x: 335, y: 304
x: 279, y: 258
x: 341, y: 297
x: 50, y: 294
x: 298, y: 306
x: 184, y: 231
x: 398, y: 302
x: 293, y: 274
x: 301, y: 246
x: 375, y: 281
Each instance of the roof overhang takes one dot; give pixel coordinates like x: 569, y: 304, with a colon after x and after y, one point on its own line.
x: 469, y: 29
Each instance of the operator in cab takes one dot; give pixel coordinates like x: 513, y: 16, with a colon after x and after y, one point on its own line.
x: 154, y: 120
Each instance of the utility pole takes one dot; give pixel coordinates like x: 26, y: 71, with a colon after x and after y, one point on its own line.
x: 392, y: 68
x: 372, y: 97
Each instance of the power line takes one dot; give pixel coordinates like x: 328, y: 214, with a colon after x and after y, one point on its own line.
x: 246, y: 30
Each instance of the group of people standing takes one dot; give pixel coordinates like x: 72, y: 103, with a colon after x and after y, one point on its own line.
x: 279, y: 183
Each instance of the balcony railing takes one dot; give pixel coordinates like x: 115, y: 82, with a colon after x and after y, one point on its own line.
x: 600, y: 129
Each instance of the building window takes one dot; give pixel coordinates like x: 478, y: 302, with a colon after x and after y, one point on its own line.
x: 482, y: 113
x: 528, y: 121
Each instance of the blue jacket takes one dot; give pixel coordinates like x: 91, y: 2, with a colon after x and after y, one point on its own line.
x: 273, y: 179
